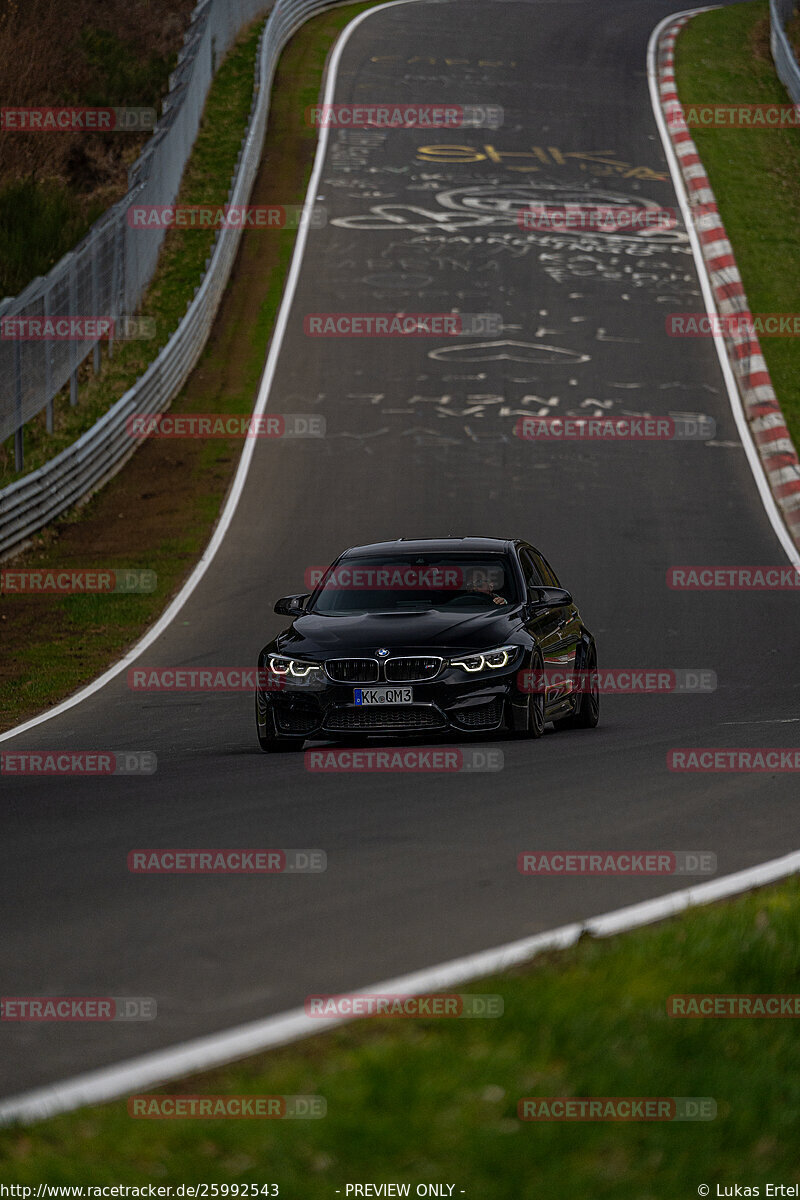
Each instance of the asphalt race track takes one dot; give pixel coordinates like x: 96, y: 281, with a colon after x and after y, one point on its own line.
x: 420, y: 442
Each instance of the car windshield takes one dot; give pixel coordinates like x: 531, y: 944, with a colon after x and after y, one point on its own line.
x: 416, y: 583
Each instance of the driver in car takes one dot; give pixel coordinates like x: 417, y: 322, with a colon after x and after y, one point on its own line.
x: 486, y: 582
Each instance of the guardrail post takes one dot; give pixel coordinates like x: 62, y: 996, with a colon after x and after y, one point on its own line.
x: 73, y: 348
x: 95, y: 303
x: 19, y: 432
x: 114, y: 305
x: 48, y: 369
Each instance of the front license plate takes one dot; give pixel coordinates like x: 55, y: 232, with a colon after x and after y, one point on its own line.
x: 384, y: 695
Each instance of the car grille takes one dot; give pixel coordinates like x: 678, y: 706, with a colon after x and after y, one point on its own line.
x: 408, y: 670
x: 352, y: 670
x: 292, y: 719
x: 398, y: 716
x: 481, y: 716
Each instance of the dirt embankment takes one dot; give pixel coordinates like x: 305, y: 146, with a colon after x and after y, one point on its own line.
x: 78, y: 52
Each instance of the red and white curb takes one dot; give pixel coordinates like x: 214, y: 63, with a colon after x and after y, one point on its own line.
x: 206, y: 1053
x: 763, y: 412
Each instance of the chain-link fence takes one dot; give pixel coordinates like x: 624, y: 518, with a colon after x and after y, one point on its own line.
x: 109, y: 271
x: 30, y: 503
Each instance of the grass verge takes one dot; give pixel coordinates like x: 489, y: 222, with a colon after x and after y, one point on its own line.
x: 436, y: 1100
x: 159, y: 511
x: 723, y: 57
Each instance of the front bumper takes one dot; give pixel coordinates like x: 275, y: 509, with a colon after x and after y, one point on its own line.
x: 448, y: 703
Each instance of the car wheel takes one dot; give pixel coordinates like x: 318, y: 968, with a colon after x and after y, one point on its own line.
x: 587, y: 710
x: 268, y: 739
x: 536, y: 701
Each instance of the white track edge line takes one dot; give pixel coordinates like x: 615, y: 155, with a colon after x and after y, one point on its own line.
x: 159, y: 1067
x: 734, y: 396
x: 234, y: 494
x: 217, y: 1050
x: 232, y: 500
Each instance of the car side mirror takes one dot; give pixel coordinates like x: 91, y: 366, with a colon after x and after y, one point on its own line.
x: 551, y: 597
x: 292, y: 606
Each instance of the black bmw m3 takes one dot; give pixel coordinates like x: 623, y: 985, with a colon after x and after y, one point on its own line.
x: 424, y: 637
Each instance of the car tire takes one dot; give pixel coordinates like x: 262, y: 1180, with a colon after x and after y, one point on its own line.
x: 536, y: 717
x: 270, y: 742
x: 587, y: 711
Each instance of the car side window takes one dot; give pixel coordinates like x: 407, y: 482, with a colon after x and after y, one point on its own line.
x: 529, y: 569
x: 546, y: 571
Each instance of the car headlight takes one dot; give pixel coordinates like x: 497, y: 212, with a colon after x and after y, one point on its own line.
x: 295, y: 668
x: 493, y: 660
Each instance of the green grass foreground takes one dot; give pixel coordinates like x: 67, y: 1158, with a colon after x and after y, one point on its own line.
x: 436, y: 1100
x: 723, y: 57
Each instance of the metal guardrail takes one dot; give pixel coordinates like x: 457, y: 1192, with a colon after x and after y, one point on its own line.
x: 780, y: 11
x: 109, y: 271
x: 30, y: 502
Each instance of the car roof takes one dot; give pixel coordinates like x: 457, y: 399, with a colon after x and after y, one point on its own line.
x: 469, y: 545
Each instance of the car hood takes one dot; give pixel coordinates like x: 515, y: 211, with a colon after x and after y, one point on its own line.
x: 408, y: 633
